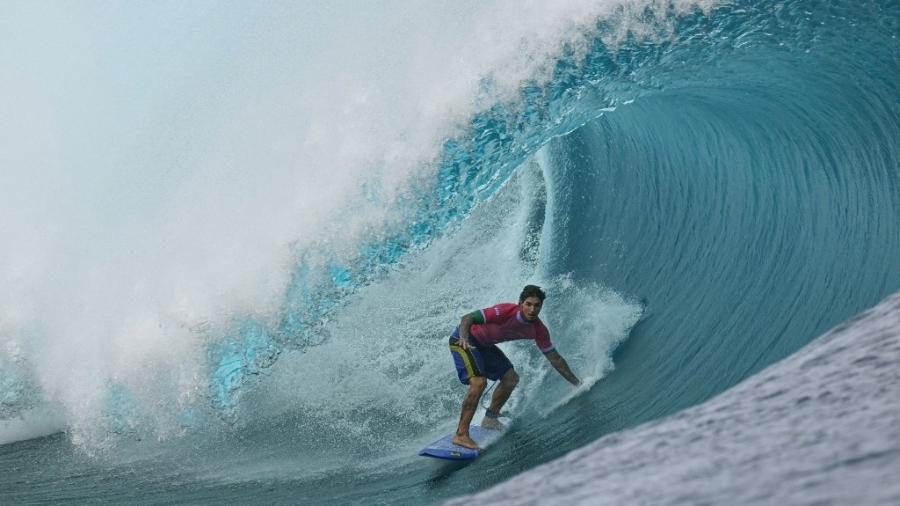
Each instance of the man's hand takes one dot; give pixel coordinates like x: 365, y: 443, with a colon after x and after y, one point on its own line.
x: 465, y: 323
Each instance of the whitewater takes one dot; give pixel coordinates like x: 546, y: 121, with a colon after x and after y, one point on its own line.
x: 236, y: 236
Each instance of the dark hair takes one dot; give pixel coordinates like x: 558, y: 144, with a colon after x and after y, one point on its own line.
x: 532, y: 291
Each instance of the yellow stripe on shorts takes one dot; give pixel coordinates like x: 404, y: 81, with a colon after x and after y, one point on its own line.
x: 467, y: 359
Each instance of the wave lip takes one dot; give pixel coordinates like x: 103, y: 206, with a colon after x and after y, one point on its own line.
x: 821, y: 426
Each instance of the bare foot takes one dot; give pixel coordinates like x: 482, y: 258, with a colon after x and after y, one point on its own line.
x: 492, y: 423
x: 465, y: 442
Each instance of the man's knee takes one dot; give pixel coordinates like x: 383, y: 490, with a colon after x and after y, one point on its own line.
x: 510, y: 379
x: 477, y: 383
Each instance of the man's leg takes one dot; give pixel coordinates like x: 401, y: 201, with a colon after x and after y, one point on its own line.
x: 470, y: 404
x: 508, y: 382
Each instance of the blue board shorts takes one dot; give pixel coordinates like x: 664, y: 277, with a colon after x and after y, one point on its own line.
x: 487, y: 361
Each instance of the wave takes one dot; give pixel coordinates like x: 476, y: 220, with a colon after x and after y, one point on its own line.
x: 794, y: 431
x: 173, y: 312
x: 703, y: 188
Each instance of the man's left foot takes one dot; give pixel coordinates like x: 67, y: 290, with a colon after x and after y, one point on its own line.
x: 465, y: 441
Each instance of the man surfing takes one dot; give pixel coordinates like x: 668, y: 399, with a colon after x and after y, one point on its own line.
x: 473, y: 346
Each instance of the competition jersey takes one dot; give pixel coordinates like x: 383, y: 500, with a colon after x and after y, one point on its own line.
x: 504, y: 322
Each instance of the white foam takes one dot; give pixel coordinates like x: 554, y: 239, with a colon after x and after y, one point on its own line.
x: 163, y: 162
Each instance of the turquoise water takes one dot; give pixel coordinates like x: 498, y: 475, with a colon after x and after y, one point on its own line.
x: 702, y: 196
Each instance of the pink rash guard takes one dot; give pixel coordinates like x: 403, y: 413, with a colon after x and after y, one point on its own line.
x: 504, y: 322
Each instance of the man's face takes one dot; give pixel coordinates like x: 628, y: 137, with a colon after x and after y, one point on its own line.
x: 531, y: 307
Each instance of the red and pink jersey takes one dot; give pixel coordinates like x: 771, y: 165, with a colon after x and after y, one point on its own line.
x: 504, y: 322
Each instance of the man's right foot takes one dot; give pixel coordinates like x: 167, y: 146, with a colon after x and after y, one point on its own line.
x: 492, y: 423
x: 465, y: 442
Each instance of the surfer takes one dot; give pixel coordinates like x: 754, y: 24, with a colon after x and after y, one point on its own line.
x: 477, y: 358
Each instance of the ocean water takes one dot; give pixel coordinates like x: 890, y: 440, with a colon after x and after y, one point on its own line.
x: 820, y: 427
x: 236, y: 236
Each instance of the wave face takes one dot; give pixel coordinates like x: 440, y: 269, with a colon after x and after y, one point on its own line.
x: 801, y: 417
x: 242, y: 283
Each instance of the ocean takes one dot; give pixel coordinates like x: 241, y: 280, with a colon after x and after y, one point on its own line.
x: 236, y: 237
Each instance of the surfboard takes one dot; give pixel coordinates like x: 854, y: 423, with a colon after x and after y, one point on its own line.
x: 444, y: 449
